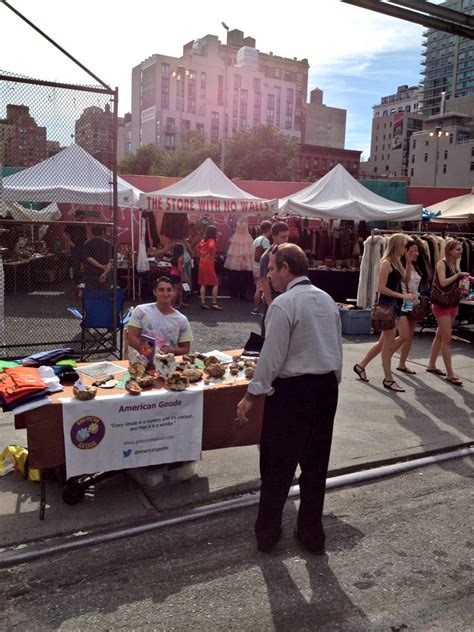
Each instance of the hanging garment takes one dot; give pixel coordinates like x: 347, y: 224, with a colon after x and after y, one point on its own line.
x: 240, y: 251
x: 152, y: 238
x: 142, y: 259
x: 374, y: 247
x: 174, y: 225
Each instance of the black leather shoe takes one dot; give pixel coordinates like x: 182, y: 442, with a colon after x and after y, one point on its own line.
x: 315, y: 548
x: 266, y: 543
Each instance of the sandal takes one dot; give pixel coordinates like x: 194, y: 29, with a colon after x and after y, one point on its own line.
x: 454, y: 380
x: 216, y: 306
x: 360, y: 372
x: 436, y: 371
x: 393, y: 386
x: 405, y: 369
x: 205, y: 306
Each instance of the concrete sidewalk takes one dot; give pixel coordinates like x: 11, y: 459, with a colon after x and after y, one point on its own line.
x: 372, y: 425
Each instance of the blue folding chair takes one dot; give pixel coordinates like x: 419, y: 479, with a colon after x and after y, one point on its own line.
x: 98, y: 330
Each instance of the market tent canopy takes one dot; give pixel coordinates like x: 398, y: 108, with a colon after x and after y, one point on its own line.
x: 71, y: 176
x: 456, y: 209
x: 338, y: 195
x: 206, y: 190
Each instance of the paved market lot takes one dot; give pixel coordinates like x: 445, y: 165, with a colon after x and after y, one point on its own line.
x: 372, y: 426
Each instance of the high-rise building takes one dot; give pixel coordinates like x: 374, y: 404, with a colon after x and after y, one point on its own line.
x: 94, y: 132
x: 395, y: 119
x: 22, y: 140
x: 448, y: 65
x: 218, y: 89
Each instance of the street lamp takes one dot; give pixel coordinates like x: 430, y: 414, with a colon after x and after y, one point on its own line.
x: 225, y: 101
x: 438, y: 132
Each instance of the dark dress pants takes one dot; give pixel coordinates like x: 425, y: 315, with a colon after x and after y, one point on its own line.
x: 297, y: 429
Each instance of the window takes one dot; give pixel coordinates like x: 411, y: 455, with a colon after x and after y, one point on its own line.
x: 256, y: 84
x: 375, y: 169
x: 445, y: 154
x: 414, y: 144
x: 472, y: 166
x: 386, y: 167
x: 445, y: 168
x: 270, y: 108
x: 412, y: 171
x: 214, y: 127
x: 427, y: 142
x: 413, y: 158
x: 237, y: 82
x: 426, y: 157
x: 165, y: 69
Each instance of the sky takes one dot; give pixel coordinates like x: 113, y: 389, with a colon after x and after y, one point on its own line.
x: 356, y: 56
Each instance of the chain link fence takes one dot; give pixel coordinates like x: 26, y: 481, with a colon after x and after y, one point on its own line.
x: 58, y: 209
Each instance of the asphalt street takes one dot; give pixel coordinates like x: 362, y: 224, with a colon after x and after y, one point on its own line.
x: 399, y: 557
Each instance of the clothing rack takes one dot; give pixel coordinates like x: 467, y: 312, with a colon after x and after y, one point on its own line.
x: 381, y: 231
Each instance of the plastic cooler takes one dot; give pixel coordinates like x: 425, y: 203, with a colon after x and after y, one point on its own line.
x: 355, y: 321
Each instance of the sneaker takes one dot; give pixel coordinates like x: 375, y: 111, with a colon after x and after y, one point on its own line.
x: 255, y: 312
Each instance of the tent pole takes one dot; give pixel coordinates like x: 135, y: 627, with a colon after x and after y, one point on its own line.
x: 132, y: 260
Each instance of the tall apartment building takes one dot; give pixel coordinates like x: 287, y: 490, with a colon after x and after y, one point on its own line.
x: 395, y: 119
x: 218, y: 89
x: 324, y: 126
x: 22, y: 141
x: 442, y: 154
x: 448, y: 65
x: 94, y: 132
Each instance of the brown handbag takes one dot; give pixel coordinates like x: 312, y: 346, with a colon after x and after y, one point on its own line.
x: 382, y: 316
x: 418, y: 312
x: 448, y: 296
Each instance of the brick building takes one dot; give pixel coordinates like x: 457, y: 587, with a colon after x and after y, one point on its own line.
x: 22, y: 141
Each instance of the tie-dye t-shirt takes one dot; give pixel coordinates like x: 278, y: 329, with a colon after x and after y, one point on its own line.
x: 167, y: 329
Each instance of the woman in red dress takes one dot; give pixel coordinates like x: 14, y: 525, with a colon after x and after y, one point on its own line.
x: 207, y: 274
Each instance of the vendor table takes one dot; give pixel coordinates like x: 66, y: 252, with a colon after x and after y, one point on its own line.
x: 44, y: 425
x: 34, y: 267
x: 339, y: 284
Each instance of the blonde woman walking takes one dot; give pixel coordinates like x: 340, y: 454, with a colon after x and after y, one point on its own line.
x: 390, y: 275
x: 448, y: 273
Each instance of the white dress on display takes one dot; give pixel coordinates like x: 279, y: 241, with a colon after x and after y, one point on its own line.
x: 240, y: 252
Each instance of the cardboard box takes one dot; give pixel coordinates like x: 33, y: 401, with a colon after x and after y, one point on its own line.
x: 355, y: 321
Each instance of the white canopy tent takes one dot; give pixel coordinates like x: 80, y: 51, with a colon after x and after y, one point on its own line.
x: 70, y: 176
x: 338, y: 195
x: 206, y: 190
x: 456, y: 209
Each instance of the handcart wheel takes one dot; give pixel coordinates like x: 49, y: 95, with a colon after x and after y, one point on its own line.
x: 73, y: 493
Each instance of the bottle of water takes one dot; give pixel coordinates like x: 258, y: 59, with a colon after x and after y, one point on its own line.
x: 465, y: 285
x: 407, y: 305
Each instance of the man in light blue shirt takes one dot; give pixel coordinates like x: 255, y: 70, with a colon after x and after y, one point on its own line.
x: 299, y: 370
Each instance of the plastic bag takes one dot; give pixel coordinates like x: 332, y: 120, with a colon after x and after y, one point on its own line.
x: 15, y: 458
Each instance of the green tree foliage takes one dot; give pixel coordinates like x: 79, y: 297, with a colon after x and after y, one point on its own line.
x: 147, y: 161
x: 193, y: 152
x: 261, y: 153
